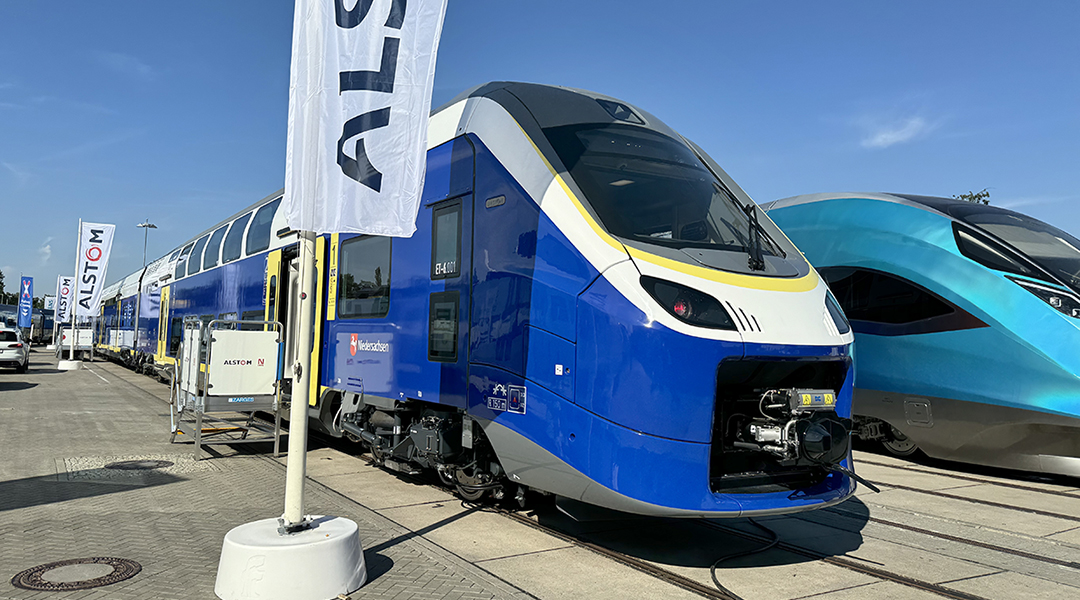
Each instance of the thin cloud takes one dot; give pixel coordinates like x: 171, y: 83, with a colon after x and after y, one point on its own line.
x: 21, y: 175
x: 10, y: 105
x: 93, y: 145
x: 45, y: 250
x: 883, y: 135
x: 1013, y: 203
x: 125, y: 64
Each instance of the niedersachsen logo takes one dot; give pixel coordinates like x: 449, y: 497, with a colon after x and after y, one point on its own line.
x: 376, y: 346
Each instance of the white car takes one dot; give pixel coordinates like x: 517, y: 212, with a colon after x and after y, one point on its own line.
x: 14, y: 351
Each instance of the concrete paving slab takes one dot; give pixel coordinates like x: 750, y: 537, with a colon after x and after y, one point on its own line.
x: 960, y: 471
x: 1002, y: 519
x: 380, y: 490
x: 578, y: 573
x: 1069, y: 536
x: 475, y: 535
x: 923, y: 481
x: 1022, y: 498
x: 1015, y: 586
x: 885, y: 590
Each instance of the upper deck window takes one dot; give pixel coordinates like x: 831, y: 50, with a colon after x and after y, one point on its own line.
x: 213, y: 248
x: 195, y: 260
x: 649, y: 187
x: 235, y: 239
x: 258, y: 237
x: 181, y: 263
x: 446, y: 241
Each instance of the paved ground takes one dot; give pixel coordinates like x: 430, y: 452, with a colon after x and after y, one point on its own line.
x: 933, y: 532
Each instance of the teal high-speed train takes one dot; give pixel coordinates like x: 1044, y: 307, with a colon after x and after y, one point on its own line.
x: 966, y: 320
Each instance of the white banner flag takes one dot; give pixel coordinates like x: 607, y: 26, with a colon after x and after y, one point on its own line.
x: 95, y: 243
x: 359, y: 99
x: 65, y: 288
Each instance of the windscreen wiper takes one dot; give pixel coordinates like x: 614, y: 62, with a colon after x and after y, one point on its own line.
x: 756, y: 261
x: 757, y: 231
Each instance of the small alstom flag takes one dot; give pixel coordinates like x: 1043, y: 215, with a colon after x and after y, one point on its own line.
x: 359, y: 98
x: 65, y: 288
x: 26, y: 301
x: 95, y: 244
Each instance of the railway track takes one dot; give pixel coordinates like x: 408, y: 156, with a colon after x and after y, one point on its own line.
x: 871, y: 569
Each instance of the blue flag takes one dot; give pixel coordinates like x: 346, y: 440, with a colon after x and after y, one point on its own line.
x: 26, y: 301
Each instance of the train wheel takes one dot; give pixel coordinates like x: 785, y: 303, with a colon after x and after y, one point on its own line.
x: 470, y: 488
x: 899, y: 444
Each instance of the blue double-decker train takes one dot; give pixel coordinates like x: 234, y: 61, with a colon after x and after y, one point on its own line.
x: 967, y: 321
x: 590, y: 308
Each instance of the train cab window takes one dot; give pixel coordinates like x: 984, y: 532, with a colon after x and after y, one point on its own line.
x: 181, y: 262
x: 258, y: 237
x: 446, y: 241
x: 881, y: 298
x: 213, y: 248
x: 443, y: 327
x: 364, y: 278
x: 988, y: 254
x: 234, y: 241
x: 195, y: 260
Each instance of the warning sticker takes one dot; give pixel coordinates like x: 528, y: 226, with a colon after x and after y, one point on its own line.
x: 517, y: 399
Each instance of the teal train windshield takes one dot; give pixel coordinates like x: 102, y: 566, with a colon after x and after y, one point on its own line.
x: 649, y: 187
x: 1049, y: 247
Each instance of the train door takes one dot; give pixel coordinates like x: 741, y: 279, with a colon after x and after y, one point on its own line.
x: 163, y: 324
x: 282, y: 289
x: 448, y: 302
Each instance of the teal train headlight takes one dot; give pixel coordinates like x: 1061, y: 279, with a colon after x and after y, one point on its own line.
x: 688, y: 305
x: 837, y: 315
x: 1062, y: 301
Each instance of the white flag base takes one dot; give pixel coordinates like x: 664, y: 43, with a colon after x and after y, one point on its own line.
x: 317, y: 563
x: 69, y: 365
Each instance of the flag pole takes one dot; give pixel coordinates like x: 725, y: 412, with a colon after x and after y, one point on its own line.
x: 71, y: 364
x: 296, y: 470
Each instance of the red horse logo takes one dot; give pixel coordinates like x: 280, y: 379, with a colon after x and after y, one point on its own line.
x: 352, y: 344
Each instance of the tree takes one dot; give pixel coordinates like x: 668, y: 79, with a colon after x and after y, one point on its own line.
x: 2, y: 294
x: 982, y: 197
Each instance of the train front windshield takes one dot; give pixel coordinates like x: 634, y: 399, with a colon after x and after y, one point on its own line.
x: 1049, y: 247
x: 648, y: 187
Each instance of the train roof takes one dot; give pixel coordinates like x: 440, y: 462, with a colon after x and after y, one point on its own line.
x: 948, y: 207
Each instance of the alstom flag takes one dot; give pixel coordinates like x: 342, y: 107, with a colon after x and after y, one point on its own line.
x: 26, y: 301
x: 359, y: 98
x: 95, y: 243
x: 65, y: 290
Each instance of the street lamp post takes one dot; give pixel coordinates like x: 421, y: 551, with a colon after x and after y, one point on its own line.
x: 146, y: 227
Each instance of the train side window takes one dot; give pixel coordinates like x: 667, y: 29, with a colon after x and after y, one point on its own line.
x: 213, y: 249
x: 364, y: 278
x: 176, y: 329
x: 882, y: 298
x: 181, y: 262
x: 195, y: 260
x: 988, y: 255
x: 252, y: 315
x: 443, y: 327
x: 446, y: 242
x: 227, y: 317
x: 258, y: 237
x: 234, y: 241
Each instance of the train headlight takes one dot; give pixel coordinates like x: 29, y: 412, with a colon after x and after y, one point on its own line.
x: 688, y: 305
x: 1060, y: 300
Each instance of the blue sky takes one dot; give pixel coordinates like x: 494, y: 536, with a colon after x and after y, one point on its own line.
x: 124, y: 110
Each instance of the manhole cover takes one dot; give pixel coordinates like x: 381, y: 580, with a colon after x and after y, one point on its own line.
x: 76, y: 574
x: 139, y: 465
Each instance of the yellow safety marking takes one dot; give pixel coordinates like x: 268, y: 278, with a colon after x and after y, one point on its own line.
x: 806, y: 399
x: 320, y: 260
x: 773, y: 284
x: 829, y: 399
x: 332, y: 279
